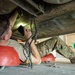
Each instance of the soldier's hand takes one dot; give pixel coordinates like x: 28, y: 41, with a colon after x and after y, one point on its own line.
x: 27, y: 33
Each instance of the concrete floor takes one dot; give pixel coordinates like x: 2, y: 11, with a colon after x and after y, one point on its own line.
x: 42, y: 69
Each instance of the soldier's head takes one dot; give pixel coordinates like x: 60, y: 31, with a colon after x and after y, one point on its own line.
x: 5, y: 28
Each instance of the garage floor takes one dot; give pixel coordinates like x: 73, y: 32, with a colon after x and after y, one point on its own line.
x: 42, y: 69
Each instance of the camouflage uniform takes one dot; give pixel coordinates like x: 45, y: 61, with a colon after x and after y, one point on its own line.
x: 46, y: 47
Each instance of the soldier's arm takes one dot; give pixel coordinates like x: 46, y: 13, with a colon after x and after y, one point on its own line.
x: 36, y: 59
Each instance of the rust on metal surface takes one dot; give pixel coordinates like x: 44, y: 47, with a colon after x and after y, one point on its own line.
x: 6, y: 6
x: 56, y: 10
x: 57, y: 26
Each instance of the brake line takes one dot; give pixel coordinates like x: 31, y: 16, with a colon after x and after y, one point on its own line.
x: 33, y: 36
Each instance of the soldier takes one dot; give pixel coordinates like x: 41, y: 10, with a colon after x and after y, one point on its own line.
x: 5, y: 34
x: 44, y: 47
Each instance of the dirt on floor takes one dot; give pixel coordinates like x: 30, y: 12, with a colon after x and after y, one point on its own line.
x: 42, y: 69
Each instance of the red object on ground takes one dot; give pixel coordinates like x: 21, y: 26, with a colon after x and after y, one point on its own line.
x: 48, y: 57
x: 8, y: 56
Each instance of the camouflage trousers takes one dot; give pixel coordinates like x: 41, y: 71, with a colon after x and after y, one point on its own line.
x: 46, y: 47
